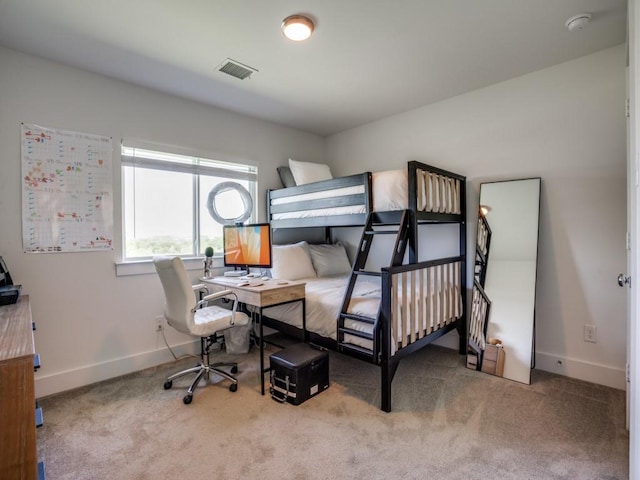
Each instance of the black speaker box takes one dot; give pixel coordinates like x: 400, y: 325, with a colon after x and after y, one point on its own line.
x: 298, y: 373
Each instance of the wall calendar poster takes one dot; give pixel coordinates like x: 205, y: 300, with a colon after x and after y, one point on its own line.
x: 67, y: 191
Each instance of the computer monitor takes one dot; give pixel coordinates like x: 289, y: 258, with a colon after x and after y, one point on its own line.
x: 247, y: 245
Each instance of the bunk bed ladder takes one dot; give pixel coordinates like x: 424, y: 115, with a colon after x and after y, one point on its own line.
x: 377, y: 224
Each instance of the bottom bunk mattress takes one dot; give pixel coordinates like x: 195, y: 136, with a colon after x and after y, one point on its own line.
x: 419, y: 308
x: 324, y: 297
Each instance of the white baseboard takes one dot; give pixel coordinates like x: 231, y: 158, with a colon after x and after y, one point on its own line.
x: 569, y: 367
x: 590, y: 372
x: 62, y: 381
x: 79, y: 377
x: 68, y: 380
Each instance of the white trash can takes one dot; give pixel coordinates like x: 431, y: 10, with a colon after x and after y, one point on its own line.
x: 237, y: 339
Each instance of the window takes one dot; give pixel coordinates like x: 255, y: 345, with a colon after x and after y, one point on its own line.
x: 165, y: 202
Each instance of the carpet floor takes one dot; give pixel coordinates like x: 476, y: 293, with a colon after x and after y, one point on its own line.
x: 448, y: 422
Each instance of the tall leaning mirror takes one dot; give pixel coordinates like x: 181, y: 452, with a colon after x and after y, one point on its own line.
x: 501, y: 327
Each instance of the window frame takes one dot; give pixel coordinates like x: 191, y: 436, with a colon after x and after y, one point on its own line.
x: 149, y: 156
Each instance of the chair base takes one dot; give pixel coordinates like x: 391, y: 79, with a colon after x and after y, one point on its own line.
x: 204, y: 369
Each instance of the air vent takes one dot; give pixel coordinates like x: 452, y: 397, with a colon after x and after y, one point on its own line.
x: 236, y: 69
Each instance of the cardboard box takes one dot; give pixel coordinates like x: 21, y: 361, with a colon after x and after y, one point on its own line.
x: 493, y: 360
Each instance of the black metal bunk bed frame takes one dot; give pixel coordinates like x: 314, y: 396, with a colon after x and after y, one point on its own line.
x: 408, y: 221
x: 480, y: 302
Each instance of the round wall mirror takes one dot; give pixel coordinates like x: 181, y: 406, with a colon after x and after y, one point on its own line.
x: 229, y: 203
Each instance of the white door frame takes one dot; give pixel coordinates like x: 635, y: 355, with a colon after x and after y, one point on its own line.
x: 633, y: 169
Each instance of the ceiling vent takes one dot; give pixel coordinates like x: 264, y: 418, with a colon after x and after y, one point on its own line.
x: 236, y: 69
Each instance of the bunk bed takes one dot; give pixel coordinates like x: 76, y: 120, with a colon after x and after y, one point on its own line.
x: 380, y: 315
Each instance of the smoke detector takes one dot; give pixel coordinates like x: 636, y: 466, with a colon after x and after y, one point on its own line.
x: 578, y: 22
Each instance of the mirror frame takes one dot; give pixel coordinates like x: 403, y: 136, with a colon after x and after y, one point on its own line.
x: 502, y: 298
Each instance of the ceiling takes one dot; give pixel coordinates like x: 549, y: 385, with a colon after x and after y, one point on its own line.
x: 366, y: 60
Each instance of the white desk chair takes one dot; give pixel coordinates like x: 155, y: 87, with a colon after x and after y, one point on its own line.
x: 184, y: 312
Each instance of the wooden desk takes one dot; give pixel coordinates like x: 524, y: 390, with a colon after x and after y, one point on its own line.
x: 18, y: 455
x: 269, y: 294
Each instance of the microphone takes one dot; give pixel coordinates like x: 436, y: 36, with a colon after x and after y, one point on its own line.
x: 208, y: 253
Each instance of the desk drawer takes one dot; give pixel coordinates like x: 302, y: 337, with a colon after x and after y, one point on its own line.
x: 285, y: 294
x: 263, y: 295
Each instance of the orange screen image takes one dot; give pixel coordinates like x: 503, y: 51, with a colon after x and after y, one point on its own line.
x: 247, y: 245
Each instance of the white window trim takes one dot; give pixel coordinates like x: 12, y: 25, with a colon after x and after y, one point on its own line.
x: 145, y: 266
x: 188, y: 152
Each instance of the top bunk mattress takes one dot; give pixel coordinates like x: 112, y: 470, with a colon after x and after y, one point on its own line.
x: 435, y: 192
x: 389, y: 192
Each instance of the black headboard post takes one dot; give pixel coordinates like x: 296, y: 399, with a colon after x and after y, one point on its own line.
x: 268, y: 204
x: 462, y: 331
x: 412, y: 205
x: 368, y: 192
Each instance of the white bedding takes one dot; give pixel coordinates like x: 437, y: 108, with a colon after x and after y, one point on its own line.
x: 334, y: 192
x: 320, y: 212
x: 324, y: 297
x: 323, y: 301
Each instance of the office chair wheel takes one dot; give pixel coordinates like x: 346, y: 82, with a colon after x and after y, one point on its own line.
x: 233, y: 387
x: 234, y: 369
x: 187, y: 399
x: 168, y: 384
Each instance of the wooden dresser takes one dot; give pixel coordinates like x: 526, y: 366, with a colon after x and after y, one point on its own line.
x: 18, y: 455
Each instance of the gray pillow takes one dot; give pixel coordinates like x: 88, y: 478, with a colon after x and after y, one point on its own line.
x: 329, y: 259
x: 286, y: 177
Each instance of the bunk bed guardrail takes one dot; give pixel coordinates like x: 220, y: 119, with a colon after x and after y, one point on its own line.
x: 435, y: 194
x: 353, y: 192
x: 420, y: 303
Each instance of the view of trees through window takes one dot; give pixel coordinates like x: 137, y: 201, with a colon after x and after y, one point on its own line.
x: 165, y: 211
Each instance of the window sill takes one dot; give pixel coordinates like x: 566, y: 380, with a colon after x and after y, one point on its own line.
x: 145, y: 267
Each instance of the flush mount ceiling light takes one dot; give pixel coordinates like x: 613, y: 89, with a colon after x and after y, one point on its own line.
x: 578, y: 22
x: 297, y: 27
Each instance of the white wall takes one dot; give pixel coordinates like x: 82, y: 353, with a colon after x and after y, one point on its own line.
x: 92, y: 324
x: 565, y: 124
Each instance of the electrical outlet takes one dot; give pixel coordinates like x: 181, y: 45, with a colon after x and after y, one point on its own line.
x: 159, y: 323
x: 590, y: 333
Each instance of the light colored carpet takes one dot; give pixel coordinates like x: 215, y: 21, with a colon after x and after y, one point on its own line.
x: 447, y: 422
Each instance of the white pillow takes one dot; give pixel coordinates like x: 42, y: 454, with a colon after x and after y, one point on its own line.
x: 307, y: 172
x: 291, y: 262
x: 330, y: 259
x: 390, y: 190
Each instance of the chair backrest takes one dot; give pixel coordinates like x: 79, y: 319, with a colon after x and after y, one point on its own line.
x: 178, y: 292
